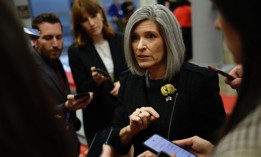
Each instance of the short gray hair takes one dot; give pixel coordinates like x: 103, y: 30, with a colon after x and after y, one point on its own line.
x: 170, y: 31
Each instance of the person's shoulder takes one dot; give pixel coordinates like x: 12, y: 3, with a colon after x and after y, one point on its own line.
x: 74, y: 47
x: 127, y: 75
x: 117, y: 39
x: 196, y: 69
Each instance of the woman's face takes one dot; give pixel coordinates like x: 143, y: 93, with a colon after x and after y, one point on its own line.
x: 92, y: 24
x: 147, y: 45
x: 231, y: 37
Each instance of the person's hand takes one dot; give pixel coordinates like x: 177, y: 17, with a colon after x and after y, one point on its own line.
x: 196, y: 145
x: 150, y: 154
x: 98, y: 77
x: 237, y: 72
x: 107, y: 151
x: 116, y: 88
x: 147, y: 154
x: 141, y: 118
x: 80, y: 103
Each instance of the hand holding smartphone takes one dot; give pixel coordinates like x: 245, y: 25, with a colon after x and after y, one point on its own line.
x: 230, y: 77
x: 81, y: 95
x: 104, y: 73
x: 159, y: 144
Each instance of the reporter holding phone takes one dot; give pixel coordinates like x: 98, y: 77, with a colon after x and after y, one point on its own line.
x: 96, y: 46
x: 242, y: 135
x: 161, y: 93
x: 237, y: 72
x: 46, y: 52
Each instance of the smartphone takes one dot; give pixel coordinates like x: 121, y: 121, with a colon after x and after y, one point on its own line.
x: 103, y: 72
x: 101, y: 137
x: 31, y: 31
x: 230, y: 77
x: 159, y: 144
x: 81, y: 95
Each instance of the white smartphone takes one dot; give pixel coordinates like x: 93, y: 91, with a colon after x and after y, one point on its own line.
x: 158, y: 144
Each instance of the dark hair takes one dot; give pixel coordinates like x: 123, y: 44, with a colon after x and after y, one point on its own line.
x: 27, y: 125
x: 45, y: 17
x: 243, y: 17
x: 92, y: 7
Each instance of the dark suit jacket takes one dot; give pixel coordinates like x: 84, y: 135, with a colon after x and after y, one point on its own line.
x: 59, y: 97
x: 198, y: 109
x: 100, y: 111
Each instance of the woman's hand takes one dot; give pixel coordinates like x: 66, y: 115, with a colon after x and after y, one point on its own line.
x: 196, y: 145
x: 147, y: 154
x: 98, y: 77
x: 237, y: 72
x: 116, y: 88
x: 141, y: 118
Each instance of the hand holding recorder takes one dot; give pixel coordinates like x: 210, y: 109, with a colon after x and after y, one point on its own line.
x: 228, y: 76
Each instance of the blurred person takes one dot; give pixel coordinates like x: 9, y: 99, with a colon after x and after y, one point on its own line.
x: 183, y: 14
x: 161, y: 93
x: 127, y: 9
x: 47, y: 50
x: 242, y: 135
x: 96, y: 46
x: 171, y: 4
x: 28, y: 126
x: 116, y: 13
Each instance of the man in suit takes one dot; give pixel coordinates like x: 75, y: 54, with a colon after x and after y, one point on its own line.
x: 46, y: 51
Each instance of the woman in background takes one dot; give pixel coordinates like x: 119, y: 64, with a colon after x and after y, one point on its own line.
x: 96, y: 46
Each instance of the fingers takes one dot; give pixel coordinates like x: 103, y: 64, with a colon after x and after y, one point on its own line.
x: 80, y: 103
x: 144, y: 116
x: 116, y: 88
x: 98, y: 77
x: 147, y: 154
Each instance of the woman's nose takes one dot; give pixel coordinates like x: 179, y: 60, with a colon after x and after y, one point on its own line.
x: 141, y: 44
x: 91, y: 21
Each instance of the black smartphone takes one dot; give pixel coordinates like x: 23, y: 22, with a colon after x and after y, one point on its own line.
x: 81, y: 95
x: 159, y: 144
x: 103, y: 72
x: 230, y: 77
x: 101, y: 137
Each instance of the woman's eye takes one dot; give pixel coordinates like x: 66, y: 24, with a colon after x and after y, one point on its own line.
x: 94, y: 16
x: 134, y: 37
x: 83, y: 20
x: 151, y: 36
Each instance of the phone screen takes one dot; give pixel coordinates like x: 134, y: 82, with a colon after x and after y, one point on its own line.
x: 158, y: 144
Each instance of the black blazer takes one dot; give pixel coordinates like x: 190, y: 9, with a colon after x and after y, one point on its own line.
x: 99, y: 112
x: 51, y: 83
x: 198, y: 109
